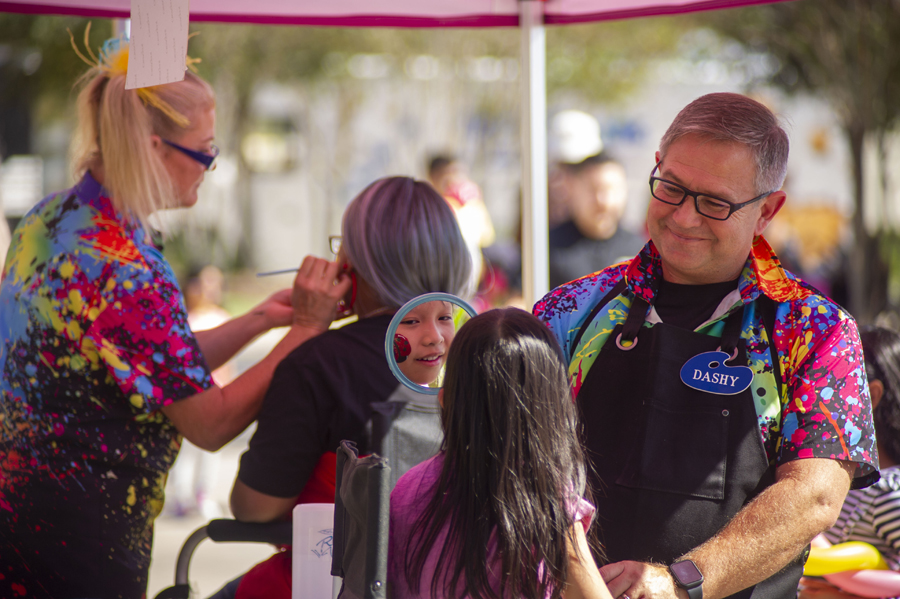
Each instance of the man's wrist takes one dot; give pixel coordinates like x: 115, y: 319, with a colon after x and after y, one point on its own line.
x: 680, y: 592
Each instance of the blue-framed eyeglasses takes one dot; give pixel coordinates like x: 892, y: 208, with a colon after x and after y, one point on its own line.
x: 709, y: 206
x: 207, y: 160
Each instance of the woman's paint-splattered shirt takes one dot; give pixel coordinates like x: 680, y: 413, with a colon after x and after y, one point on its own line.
x: 822, y: 409
x: 93, y: 341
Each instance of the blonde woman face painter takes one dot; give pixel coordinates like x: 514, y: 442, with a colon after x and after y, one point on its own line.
x: 148, y: 147
x: 185, y: 172
x: 101, y: 376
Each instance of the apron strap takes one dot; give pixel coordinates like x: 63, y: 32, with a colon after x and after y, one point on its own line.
x: 613, y: 293
x: 767, y: 308
x: 731, y: 334
x: 636, y: 316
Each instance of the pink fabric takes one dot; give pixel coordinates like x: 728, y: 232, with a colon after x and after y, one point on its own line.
x: 408, y: 500
x: 392, y: 13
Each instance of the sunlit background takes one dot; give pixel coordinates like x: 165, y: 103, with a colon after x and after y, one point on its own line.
x: 307, y: 117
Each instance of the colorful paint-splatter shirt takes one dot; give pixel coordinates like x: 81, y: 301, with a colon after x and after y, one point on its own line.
x: 821, y: 409
x: 93, y: 342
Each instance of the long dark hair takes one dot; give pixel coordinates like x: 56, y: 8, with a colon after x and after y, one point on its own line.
x: 882, y: 352
x: 512, y: 462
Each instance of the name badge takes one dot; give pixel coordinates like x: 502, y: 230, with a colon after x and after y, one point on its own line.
x: 708, y: 372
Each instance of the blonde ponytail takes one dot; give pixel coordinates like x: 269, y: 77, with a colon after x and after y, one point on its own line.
x: 115, y: 127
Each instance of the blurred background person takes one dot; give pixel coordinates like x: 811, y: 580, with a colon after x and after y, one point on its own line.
x: 591, y: 238
x: 872, y: 515
x: 587, y: 194
x: 451, y: 179
x: 572, y: 137
x: 191, y: 481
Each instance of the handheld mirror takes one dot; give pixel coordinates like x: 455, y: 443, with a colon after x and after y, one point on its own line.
x: 419, y: 338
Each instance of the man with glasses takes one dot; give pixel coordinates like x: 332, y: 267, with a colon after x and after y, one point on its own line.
x: 724, y: 401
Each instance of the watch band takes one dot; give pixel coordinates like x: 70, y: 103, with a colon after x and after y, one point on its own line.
x: 687, y: 575
x: 695, y: 592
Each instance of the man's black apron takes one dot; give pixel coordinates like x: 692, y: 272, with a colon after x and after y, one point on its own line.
x: 672, y: 465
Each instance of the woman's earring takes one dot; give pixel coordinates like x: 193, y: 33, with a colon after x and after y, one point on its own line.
x: 402, y: 349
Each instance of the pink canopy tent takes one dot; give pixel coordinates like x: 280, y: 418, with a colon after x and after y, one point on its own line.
x: 530, y: 15
x: 387, y: 13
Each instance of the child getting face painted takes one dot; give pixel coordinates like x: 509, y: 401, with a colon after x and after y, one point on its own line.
x: 422, y: 340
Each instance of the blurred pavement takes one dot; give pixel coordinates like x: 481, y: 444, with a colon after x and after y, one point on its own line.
x: 213, y: 564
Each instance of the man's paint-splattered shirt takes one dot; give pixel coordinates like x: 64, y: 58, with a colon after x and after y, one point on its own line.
x: 93, y: 341
x: 822, y: 409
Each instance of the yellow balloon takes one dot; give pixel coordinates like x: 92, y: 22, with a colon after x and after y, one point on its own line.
x: 852, y: 555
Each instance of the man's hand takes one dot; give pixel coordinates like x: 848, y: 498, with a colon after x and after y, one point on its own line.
x: 775, y: 527
x: 638, y: 580
x: 318, y: 287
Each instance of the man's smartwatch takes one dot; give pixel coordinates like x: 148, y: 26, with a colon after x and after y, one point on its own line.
x: 687, y: 575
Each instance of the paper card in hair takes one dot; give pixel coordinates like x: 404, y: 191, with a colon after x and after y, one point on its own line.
x: 159, y: 36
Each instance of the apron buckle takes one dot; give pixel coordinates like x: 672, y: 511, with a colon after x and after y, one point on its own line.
x: 628, y: 347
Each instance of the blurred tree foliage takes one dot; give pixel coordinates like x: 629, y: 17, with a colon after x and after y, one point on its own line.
x: 604, y: 61
x: 848, y: 53
x: 599, y: 63
x: 37, y: 70
x: 607, y: 61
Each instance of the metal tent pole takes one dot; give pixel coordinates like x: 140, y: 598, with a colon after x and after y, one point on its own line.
x: 534, y: 151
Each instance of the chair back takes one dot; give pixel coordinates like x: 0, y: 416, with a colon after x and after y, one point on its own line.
x: 406, y: 430
x: 361, y: 524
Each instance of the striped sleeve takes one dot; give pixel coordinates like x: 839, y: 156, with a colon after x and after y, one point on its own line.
x: 886, y: 518
x: 872, y: 515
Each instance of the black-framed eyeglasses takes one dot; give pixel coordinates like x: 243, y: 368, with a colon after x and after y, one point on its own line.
x: 334, y: 242
x: 709, y: 206
x: 207, y: 160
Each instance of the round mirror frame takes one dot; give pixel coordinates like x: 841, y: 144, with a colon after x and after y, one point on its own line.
x: 395, y: 322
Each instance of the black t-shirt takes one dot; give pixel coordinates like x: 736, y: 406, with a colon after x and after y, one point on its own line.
x: 320, y: 395
x: 572, y: 255
x: 689, y: 306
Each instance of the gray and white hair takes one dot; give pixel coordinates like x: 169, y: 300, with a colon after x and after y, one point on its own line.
x: 739, y: 119
x: 402, y: 237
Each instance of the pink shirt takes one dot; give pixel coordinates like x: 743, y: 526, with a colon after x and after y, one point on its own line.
x: 408, y: 500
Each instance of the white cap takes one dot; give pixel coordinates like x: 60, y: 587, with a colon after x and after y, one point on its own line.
x: 574, y: 136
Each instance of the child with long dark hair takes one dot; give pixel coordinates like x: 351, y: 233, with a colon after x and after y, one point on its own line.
x: 499, y: 512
